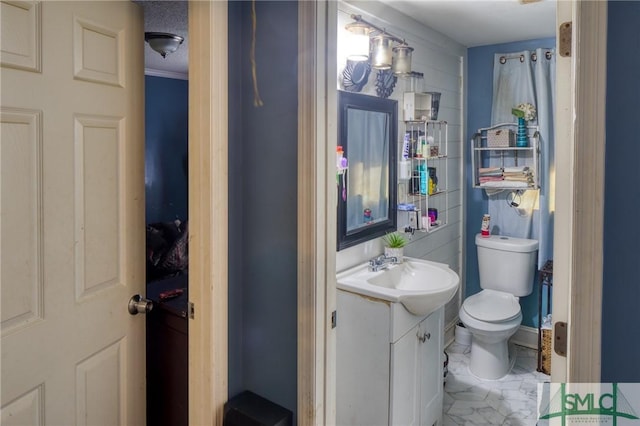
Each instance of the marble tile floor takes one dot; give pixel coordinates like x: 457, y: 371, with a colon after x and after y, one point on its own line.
x: 508, y: 401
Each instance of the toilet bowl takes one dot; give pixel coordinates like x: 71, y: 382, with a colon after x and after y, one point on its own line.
x: 492, y: 318
x: 493, y: 315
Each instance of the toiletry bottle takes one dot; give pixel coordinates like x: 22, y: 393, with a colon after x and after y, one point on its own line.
x: 414, y: 183
x: 485, y: 230
x: 367, y: 216
x: 406, y: 146
x: 433, y: 180
x: 430, y: 144
x: 423, y: 178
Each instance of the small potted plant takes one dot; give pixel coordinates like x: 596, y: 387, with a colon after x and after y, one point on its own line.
x: 394, y: 243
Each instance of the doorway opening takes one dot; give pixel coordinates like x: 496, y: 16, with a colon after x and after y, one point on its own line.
x: 166, y: 216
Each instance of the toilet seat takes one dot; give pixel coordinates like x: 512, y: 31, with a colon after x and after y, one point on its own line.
x: 492, y: 306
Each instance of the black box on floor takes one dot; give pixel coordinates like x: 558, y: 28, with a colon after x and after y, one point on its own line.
x: 249, y: 409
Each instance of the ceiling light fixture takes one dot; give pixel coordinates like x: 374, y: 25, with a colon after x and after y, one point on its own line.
x: 163, y: 43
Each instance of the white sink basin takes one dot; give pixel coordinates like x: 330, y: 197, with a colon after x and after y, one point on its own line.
x: 421, y: 286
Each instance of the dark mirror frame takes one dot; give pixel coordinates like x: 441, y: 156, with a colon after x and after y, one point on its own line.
x: 348, y: 100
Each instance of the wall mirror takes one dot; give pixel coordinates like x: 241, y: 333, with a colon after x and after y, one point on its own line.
x: 367, y: 193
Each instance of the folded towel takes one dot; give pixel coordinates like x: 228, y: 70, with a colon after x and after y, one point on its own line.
x: 406, y: 207
x: 491, y: 191
x: 517, y: 175
x: 516, y: 169
x: 518, y: 178
x: 490, y: 174
x: 489, y: 170
x: 490, y: 178
x: 502, y: 184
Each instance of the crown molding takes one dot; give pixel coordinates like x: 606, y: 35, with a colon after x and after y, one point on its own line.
x: 166, y: 74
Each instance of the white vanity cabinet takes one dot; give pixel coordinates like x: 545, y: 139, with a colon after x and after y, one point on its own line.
x: 389, y: 364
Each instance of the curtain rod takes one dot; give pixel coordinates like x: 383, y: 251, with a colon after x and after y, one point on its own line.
x: 534, y: 57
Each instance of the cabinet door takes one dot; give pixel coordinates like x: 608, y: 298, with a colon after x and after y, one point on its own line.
x: 362, y: 361
x: 405, y: 379
x: 431, y: 368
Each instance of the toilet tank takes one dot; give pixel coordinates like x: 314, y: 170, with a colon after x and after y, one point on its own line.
x: 507, y: 264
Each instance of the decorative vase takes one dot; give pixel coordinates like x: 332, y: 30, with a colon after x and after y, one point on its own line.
x: 394, y: 252
x: 521, y: 139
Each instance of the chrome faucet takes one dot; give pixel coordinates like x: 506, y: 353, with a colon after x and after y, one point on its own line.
x: 381, y: 262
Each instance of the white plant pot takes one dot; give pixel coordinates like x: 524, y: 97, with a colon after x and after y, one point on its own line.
x: 394, y: 252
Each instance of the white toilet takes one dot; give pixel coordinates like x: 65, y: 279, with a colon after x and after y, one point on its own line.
x: 507, y: 267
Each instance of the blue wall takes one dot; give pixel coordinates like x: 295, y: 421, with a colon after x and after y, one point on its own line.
x: 263, y: 203
x: 236, y: 183
x: 621, y: 276
x: 479, y: 99
x: 166, y: 144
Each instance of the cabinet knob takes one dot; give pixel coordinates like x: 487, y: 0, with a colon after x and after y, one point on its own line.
x: 424, y: 336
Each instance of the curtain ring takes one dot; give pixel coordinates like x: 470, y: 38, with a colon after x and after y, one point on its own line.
x: 548, y: 54
x: 534, y: 57
x: 521, y: 58
x: 503, y: 60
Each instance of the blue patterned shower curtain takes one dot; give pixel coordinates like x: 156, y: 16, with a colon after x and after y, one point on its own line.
x: 527, y: 77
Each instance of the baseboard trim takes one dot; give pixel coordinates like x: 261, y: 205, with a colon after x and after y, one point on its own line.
x: 526, y: 336
x: 449, y: 333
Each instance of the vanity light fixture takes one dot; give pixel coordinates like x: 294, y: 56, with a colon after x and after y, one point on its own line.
x: 163, y: 43
x: 384, y: 55
x: 358, y: 41
x: 382, y: 49
x: 401, y: 63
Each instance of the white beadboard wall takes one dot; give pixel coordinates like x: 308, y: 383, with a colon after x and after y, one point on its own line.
x: 442, y: 61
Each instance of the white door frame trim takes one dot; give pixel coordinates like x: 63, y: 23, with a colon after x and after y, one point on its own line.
x: 585, y: 320
x: 580, y: 149
x: 208, y: 216
x: 316, y: 220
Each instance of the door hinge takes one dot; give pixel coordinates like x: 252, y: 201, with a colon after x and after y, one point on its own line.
x: 334, y: 319
x: 192, y: 310
x: 565, y: 32
x: 560, y: 338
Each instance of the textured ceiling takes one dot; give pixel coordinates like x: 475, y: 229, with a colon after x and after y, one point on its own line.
x: 166, y: 17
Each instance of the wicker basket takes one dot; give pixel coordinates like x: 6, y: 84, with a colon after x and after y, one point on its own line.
x: 546, y: 351
x: 500, y: 138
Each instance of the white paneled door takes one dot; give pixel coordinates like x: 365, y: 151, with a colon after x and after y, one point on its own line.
x: 71, y: 213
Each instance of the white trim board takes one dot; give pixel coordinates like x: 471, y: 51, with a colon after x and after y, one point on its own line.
x: 585, y: 320
x: 526, y: 336
x: 208, y: 215
x: 579, y: 183
x: 316, y: 218
x: 166, y: 74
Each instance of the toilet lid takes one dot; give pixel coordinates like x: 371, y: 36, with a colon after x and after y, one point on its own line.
x: 492, y: 306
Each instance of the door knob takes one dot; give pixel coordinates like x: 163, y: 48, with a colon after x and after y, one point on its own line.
x: 139, y: 305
